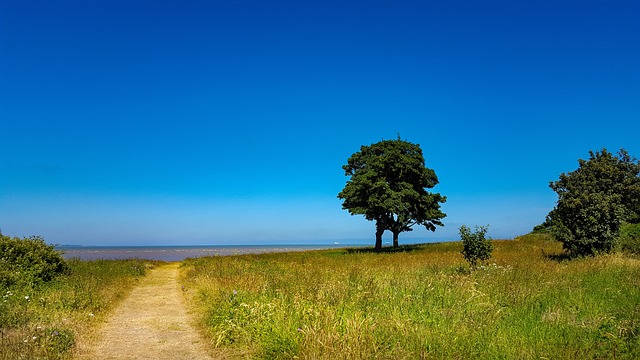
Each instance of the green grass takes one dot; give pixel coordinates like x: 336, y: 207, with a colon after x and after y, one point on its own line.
x: 525, y: 303
x: 46, y: 321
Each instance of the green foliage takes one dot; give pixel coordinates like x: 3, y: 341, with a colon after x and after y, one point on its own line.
x: 536, y: 236
x: 43, y: 320
x: 475, y: 246
x: 629, y: 240
x: 388, y: 182
x: 28, y: 260
x: 594, y: 201
x: 541, y: 229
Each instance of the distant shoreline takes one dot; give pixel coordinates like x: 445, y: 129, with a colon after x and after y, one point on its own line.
x: 181, y: 252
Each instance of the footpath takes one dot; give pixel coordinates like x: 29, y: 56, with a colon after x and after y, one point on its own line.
x: 151, y: 323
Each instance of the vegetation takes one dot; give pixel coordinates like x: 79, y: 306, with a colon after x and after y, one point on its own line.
x: 28, y: 261
x: 475, y: 246
x: 388, y: 185
x: 594, y: 201
x: 46, y: 312
x: 629, y: 239
x: 419, y: 303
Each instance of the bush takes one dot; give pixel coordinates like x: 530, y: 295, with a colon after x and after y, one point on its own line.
x: 476, y: 246
x: 28, y: 261
x: 594, y: 201
x: 589, y: 225
x: 629, y: 240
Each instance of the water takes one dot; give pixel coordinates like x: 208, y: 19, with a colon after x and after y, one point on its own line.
x: 178, y: 253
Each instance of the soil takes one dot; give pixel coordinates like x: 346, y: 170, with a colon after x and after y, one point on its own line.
x: 151, y: 323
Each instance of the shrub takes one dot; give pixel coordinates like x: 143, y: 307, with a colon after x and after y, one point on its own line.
x: 476, y: 246
x: 28, y: 261
x: 594, y: 201
x: 629, y: 240
x: 589, y: 225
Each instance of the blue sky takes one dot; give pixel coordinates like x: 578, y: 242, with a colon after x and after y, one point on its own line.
x: 207, y: 122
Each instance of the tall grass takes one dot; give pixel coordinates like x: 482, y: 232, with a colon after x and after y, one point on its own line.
x: 47, y: 320
x: 421, y: 303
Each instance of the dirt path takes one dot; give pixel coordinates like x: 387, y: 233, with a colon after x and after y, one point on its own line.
x: 151, y: 323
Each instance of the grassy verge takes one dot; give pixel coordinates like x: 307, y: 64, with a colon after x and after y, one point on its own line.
x: 527, y: 302
x: 49, y: 320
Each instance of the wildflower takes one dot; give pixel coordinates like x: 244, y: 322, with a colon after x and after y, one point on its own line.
x: 235, y: 292
x: 26, y: 297
x: 54, y: 333
x: 34, y: 338
x: 91, y: 314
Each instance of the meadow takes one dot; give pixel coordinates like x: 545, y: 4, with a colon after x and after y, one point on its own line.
x: 423, y: 301
x: 417, y: 301
x: 52, y: 320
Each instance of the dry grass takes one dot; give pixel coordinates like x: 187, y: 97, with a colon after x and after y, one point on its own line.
x: 151, y: 323
x: 54, y: 320
x: 527, y: 302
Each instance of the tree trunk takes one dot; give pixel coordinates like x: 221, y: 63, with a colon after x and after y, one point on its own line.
x: 395, y: 239
x: 379, y: 232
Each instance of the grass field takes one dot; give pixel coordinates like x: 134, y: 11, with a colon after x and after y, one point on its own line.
x: 527, y: 302
x: 422, y: 301
x: 50, y: 320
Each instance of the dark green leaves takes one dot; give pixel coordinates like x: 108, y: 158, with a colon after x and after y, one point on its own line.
x: 388, y: 184
x: 594, y: 201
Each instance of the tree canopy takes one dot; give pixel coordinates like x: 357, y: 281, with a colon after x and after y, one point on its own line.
x: 594, y: 201
x: 388, y: 182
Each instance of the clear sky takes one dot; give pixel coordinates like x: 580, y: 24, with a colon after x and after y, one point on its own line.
x: 208, y: 122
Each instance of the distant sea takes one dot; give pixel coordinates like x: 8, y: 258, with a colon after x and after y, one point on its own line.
x: 179, y: 253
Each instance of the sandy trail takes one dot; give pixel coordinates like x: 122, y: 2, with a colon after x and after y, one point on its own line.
x: 151, y: 323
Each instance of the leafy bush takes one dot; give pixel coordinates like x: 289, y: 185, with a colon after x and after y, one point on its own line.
x: 540, y: 229
x: 536, y: 236
x: 594, y: 201
x: 629, y: 240
x: 28, y: 261
x: 476, y: 246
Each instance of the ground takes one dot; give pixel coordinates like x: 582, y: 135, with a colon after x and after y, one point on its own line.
x: 151, y: 323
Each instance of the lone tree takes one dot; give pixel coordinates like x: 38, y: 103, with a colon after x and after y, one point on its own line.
x: 594, y: 201
x: 388, y: 185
